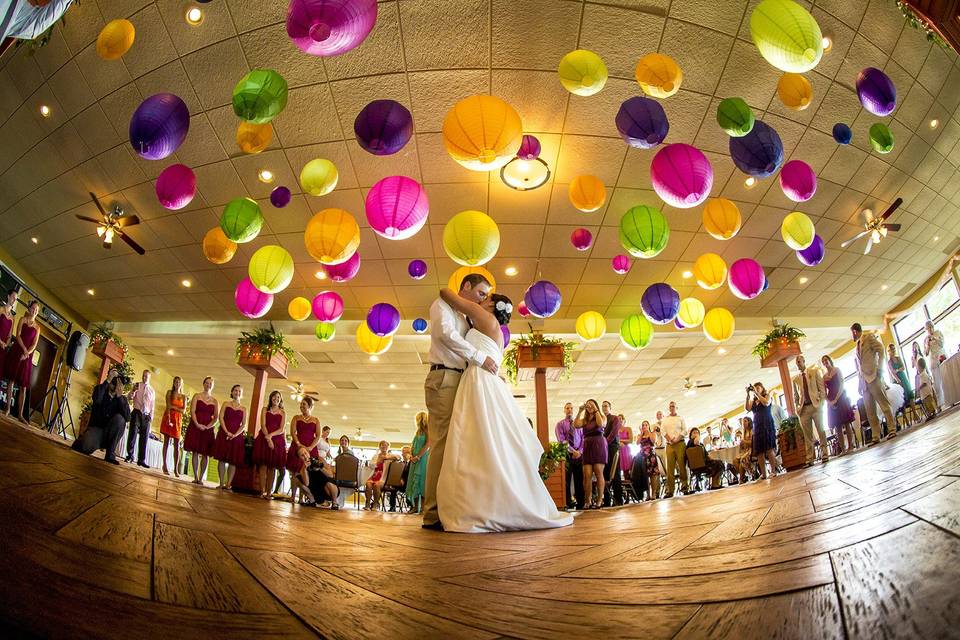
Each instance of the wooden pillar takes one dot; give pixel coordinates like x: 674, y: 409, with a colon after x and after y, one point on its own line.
x: 540, y: 384
x: 110, y: 354
x: 257, y: 400
x: 787, y: 383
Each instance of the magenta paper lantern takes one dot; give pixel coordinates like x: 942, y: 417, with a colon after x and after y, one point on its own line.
x: 159, y: 126
x: 876, y: 92
x: 330, y: 27
x: 522, y: 309
x: 383, y: 319
x: 812, y: 255
x: 280, y: 197
x: 798, y: 181
x: 542, y: 299
x: 397, y: 207
x: 176, y: 186
x: 746, y: 278
x: 529, y: 149
x: 250, y: 301
x: 383, y: 127
x: 581, y: 239
x: 344, y: 271
x: 505, y: 330
x: 681, y: 175
x: 621, y: 264
x: 327, y: 306
x: 417, y: 269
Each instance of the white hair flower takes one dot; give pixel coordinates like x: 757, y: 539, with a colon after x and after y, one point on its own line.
x: 504, y: 306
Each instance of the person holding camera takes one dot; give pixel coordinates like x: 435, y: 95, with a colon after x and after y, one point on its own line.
x: 108, y: 419
x: 143, y: 398
x: 764, y: 431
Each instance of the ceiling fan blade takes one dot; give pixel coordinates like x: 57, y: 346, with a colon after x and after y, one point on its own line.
x: 893, y: 207
x: 130, y: 241
x: 88, y: 219
x: 704, y: 386
x: 847, y: 243
x: 893, y: 227
x: 99, y: 206
x: 869, y: 246
x: 128, y: 221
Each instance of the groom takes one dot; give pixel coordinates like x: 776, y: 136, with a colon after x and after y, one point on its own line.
x: 449, y: 355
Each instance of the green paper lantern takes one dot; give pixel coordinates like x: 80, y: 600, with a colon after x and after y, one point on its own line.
x: 271, y: 269
x: 735, y: 117
x: 786, y: 35
x: 636, y: 331
x: 644, y: 231
x: 881, y: 138
x: 260, y: 96
x: 325, y: 331
x: 241, y: 220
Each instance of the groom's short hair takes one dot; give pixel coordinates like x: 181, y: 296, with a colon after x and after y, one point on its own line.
x: 474, y: 279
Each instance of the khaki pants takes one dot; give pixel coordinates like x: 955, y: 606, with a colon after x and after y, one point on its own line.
x: 676, y: 459
x: 439, y: 390
x: 809, y: 417
x: 873, y: 394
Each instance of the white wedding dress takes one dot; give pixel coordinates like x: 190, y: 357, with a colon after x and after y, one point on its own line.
x: 490, y: 478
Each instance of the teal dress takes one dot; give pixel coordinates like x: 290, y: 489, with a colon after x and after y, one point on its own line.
x: 896, y: 366
x: 417, y: 476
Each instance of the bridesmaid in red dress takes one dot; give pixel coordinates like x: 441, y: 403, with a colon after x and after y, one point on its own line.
x: 6, y: 319
x: 270, y: 447
x: 305, y: 433
x: 18, y: 364
x: 229, y: 448
x: 200, y: 436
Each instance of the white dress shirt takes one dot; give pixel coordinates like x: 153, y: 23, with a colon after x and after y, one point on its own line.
x: 674, y: 428
x: 447, y: 343
x: 143, y: 399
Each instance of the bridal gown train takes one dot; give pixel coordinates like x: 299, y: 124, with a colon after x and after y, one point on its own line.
x: 490, y: 478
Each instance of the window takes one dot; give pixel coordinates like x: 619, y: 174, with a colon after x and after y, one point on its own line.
x: 943, y: 308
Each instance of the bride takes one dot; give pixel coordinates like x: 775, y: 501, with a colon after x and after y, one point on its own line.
x: 490, y: 478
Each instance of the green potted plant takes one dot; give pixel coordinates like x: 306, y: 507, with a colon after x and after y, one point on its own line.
x: 106, y: 344
x: 780, y: 343
x: 265, y: 349
x: 535, y: 350
x: 793, y: 451
x: 553, y: 471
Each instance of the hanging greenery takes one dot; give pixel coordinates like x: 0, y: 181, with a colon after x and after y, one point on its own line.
x: 536, y: 340
x: 921, y: 25
x: 551, y: 458
x: 268, y: 341
x: 779, y: 332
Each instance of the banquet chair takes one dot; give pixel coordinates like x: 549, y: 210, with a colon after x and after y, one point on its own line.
x: 347, y: 474
x: 609, y: 473
x: 393, y: 483
x: 697, y: 463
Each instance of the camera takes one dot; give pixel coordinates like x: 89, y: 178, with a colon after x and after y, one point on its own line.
x: 749, y: 388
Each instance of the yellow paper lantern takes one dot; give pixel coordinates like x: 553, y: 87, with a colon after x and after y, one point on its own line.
x: 591, y: 326
x: 115, y: 39
x: 582, y: 72
x: 710, y: 271
x: 658, y: 75
x: 254, y: 138
x: 721, y: 218
x: 299, y: 309
x: 471, y: 238
x: 217, y: 247
x: 691, y: 312
x: 797, y: 230
x: 319, y: 177
x: 587, y: 193
x: 482, y: 133
x: 332, y: 236
x: 718, y: 325
x: 795, y: 91
x: 271, y: 268
x: 370, y: 343
x: 456, y: 279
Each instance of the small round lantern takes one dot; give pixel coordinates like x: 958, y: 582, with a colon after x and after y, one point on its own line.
x: 759, y: 153
x: 735, y: 117
x: 217, y: 247
x: 581, y: 239
x: 876, y: 92
x: 794, y: 91
x: 587, y: 193
x: 642, y: 123
x: 327, y: 306
x: 812, y: 255
x: 254, y: 138
x: 797, y: 230
x: 643, y: 231
x: 471, y: 238
x: 383, y: 127
x: 721, y: 218
x: 522, y: 309
x: 271, y: 268
x: 420, y: 325
x: 690, y: 313
x: 591, y: 326
x: 115, y: 39
x: 280, y: 197
x: 383, y: 319
x: 798, y: 181
x: 299, y: 309
x: 660, y: 303
x: 620, y: 264
x: 417, y: 269
x: 330, y: 27
x: 786, y: 35
x: 319, y: 177
x: 250, y: 301
x: 159, y: 126
x: 176, y: 186
x: 241, y: 220
x: 332, y: 236
x: 345, y: 271
x: 260, y: 96
x: 397, y: 207
x: 718, y: 325
x: 456, y: 278
x: 482, y: 133
x: 746, y: 278
x: 710, y: 271
x: 529, y: 148
x: 842, y: 133
x: 636, y: 332
x: 582, y: 72
x: 542, y: 299
x: 658, y: 75
x: 681, y: 175
x: 370, y: 343
x: 505, y: 332
x: 325, y: 331
x: 881, y: 138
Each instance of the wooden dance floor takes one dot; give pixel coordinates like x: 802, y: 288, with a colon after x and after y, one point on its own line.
x: 864, y: 547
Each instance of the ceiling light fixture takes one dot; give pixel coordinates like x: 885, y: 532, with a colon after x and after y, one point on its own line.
x: 934, y: 123
x: 827, y: 44
x: 804, y: 280
x: 406, y: 406
x: 936, y: 238
x: 45, y: 111
x: 722, y: 351
x: 690, y: 392
x: 510, y: 271
x: 374, y: 358
x: 185, y: 283
x: 393, y: 386
x: 324, y: 402
x: 343, y: 417
x: 622, y: 355
x: 659, y: 398
x: 320, y: 275
x: 884, y: 287
x: 598, y: 384
x: 169, y: 352
x: 687, y: 274
x: 34, y: 240
x: 265, y: 176
x: 194, y: 16
x: 749, y: 182
x: 525, y: 175
x: 90, y: 292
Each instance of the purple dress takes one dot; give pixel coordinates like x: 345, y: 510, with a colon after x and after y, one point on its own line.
x: 842, y: 412
x: 594, y: 444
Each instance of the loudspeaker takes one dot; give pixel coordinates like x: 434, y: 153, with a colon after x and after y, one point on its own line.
x: 77, y: 350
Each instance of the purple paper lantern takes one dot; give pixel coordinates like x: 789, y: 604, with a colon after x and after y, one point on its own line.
x: 330, y: 27
x: 842, y: 133
x: 344, y: 271
x: 327, y: 306
x: 280, y: 197
x: 397, y: 207
x: 642, y: 122
x: 876, y: 92
x: 250, y: 301
x: 812, y: 255
x: 529, y: 148
x: 621, y: 264
x: 745, y: 278
x: 759, y: 153
x: 159, y: 126
x: 798, y: 181
x: 581, y: 239
x: 383, y: 127
x: 660, y: 303
x: 681, y: 175
x: 417, y: 269
x: 679, y: 325
x: 542, y: 299
x: 176, y: 186
x: 383, y: 319
x: 505, y: 330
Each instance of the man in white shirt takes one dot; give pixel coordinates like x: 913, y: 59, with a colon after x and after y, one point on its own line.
x: 449, y: 355
x: 674, y: 431
x: 810, y: 392
x: 142, y: 399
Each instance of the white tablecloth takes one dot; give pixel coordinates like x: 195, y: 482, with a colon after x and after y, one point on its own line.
x: 950, y: 371
x: 726, y: 455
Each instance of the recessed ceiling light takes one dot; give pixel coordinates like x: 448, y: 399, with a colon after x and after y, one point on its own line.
x: 721, y: 351
x: 374, y: 358
x: 393, y: 386
x: 749, y: 182
x: 186, y: 283
x: 321, y: 275
x: 622, y: 355
x: 934, y: 123
x: 343, y: 417
x: 804, y: 279
x: 510, y: 271
x: 90, y: 292
x: 659, y: 398
x: 194, y: 16
x: 169, y: 352
x: 808, y: 346
x: 687, y: 274
x: 34, y: 240
x: 884, y: 287
x: 324, y: 402
x: 598, y: 384
x: 406, y: 406
x: 827, y: 44
x: 265, y: 176
x: 45, y: 111
x: 935, y: 238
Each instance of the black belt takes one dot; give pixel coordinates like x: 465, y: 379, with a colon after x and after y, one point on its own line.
x: 437, y: 367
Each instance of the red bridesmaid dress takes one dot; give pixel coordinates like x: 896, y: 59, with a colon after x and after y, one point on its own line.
x: 275, y: 458
x: 306, y: 432
x: 199, y: 440
x: 16, y: 367
x: 230, y: 451
x: 6, y: 330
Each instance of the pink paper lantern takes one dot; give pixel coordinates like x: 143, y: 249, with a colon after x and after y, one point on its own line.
x: 681, y: 175
x: 330, y: 27
x: 327, y: 306
x: 581, y: 239
x: 746, y: 278
x: 176, y: 186
x: 522, y: 309
x: 397, y: 207
x: 798, y: 181
x: 621, y: 264
x: 344, y: 271
x: 250, y: 301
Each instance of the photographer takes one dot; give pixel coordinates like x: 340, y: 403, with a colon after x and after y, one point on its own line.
x: 108, y: 419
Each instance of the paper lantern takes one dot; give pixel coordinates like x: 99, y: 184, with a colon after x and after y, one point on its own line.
x: 581, y: 239
x: 482, y: 133
x: 241, y: 220
x: 505, y: 332
x: 812, y: 255
x: 679, y: 325
x: 876, y: 92
x: 735, y: 117
x: 881, y: 138
x: 420, y: 325
x: 721, y: 218
x: 115, y: 39
x: 746, y: 278
x: 332, y: 236
x: 636, y: 332
x: 797, y: 230
x: 383, y: 127
x: 345, y: 271
x: 794, y: 91
x: 690, y: 313
x: 280, y: 197
x: 397, y: 207
x: 621, y: 264
x: 798, y: 181
x: 250, y: 301
x: 217, y: 247
x: 660, y: 303
x: 587, y: 193
x: 327, y: 306
x: 176, y: 186
x: 842, y: 133
x: 582, y: 72
x: 271, y: 269
x: 759, y: 153
x: 786, y: 35
x: 383, y: 319
x: 330, y: 27
x: 590, y: 326
x: 417, y: 269
x: 471, y: 238
x: 522, y: 309
x: 643, y: 231
x: 542, y: 299
x: 254, y: 138
x: 529, y: 148
x: 319, y: 177
x: 718, y: 325
x: 159, y: 126
x: 260, y: 96
x: 299, y: 309
x: 681, y: 175
x: 456, y: 278
x: 658, y: 75
x: 710, y: 271
x: 642, y: 122
x: 325, y: 331
x: 370, y: 343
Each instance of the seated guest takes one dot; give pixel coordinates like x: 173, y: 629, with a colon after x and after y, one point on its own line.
x: 375, y: 482
x: 108, y: 419
x: 345, y: 446
x: 926, y: 390
x: 405, y: 456
x: 321, y: 476
x: 714, y: 468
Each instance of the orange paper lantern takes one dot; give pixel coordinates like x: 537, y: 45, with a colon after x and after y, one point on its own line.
x: 254, y: 138
x: 482, y: 133
x: 332, y: 236
x: 587, y: 193
x: 217, y: 247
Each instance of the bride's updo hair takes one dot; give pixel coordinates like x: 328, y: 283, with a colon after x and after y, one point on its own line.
x: 502, y: 308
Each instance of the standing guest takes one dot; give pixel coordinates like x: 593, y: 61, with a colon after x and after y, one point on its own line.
x: 898, y: 373
x: 646, y: 440
x: 926, y: 388
x: 18, y: 364
x: 810, y: 392
x: 764, y: 435
x: 7, y: 310
x: 916, y: 354
x: 869, y: 359
x: 611, y: 434
x: 304, y: 434
x: 592, y: 422
x: 230, y: 446
x: 934, y: 352
x: 674, y: 431
x: 839, y: 411
x: 200, y: 436
x: 270, y: 447
x: 626, y: 439
x: 714, y: 467
x: 143, y: 399
x: 171, y: 423
x: 745, y: 460
x: 572, y: 436
x: 108, y: 417
x: 777, y: 411
x: 324, y: 446
x: 376, y: 480
x: 420, y: 451
x: 726, y: 433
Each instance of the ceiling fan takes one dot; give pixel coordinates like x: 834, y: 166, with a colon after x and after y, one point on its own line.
x: 112, y: 225
x: 360, y: 435
x: 877, y: 228
x: 299, y: 394
x: 690, y: 389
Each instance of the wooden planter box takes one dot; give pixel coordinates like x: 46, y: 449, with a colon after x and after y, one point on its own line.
x: 781, y: 350
x: 549, y: 358
x: 793, y: 457
x: 108, y: 350
x: 556, y: 486
x: 254, y: 360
